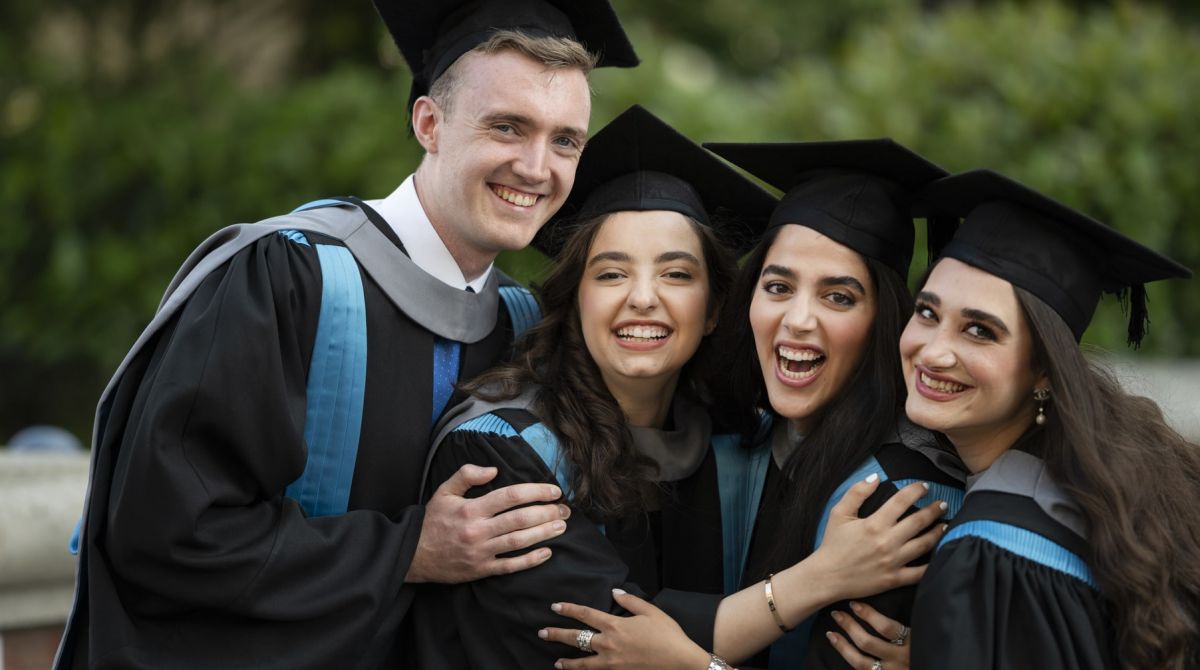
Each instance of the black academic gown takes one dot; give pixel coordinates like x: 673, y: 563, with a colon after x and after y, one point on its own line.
x: 913, y: 455
x: 671, y: 555
x: 193, y: 556
x: 1009, y: 587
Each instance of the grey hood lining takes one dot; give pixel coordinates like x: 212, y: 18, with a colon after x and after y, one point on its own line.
x: 1021, y: 473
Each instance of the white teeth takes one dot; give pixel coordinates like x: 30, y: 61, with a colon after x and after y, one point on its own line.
x: 798, y: 354
x: 643, y: 332
x: 787, y: 354
x: 943, y: 386
x: 516, y: 198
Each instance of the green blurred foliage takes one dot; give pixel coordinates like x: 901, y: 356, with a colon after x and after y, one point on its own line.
x: 130, y: 130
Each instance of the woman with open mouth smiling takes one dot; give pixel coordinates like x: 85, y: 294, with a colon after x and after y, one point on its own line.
x: 603, y: 398
x: 1078, y: 545
x: 812, y: 386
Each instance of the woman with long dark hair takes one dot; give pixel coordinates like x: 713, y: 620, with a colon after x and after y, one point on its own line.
x: 1078, y: 545
x: 602, y: 398
x: 813, y: 377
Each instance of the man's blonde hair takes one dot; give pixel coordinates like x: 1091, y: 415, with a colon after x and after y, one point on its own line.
x: 556, y: 53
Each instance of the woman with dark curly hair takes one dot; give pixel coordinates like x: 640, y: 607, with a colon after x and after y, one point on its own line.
x: 1078, y: 545
x: 602, y: 397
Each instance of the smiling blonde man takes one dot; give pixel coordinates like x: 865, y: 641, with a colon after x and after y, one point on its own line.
x: 258, y: 455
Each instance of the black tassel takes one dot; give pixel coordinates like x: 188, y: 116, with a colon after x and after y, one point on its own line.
x: 1139, y: 316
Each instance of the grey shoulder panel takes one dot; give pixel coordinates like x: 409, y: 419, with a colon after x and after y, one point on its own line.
x: 444, y: 310
x: 1020, y: 473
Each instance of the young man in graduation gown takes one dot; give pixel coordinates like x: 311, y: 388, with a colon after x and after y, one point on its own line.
x: 257, y: 457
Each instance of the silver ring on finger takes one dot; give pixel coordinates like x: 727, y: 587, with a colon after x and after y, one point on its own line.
x: 584, y: 641
x: 877, y: 665
x: 902, y: 636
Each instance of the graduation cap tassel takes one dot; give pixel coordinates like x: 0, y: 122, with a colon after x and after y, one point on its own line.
x: 1139, y: 316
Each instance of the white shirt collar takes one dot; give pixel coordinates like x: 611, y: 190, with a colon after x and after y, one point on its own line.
x: 404, y: 213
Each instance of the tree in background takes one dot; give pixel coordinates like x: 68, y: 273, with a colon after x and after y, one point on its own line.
x: 129, y: 131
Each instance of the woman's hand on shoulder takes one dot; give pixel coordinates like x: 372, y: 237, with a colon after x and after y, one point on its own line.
x: 648, y: 639
x: 862, y: 557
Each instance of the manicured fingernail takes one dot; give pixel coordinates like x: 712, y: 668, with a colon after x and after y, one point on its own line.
x: 872, y: 478
x: 837, y: 616
x: 557, y: 607
x: 558, y: 665
x: 857, y: 607
x: 945, y: 527
x: 564, y: 511
x: 926, y: 485
x: 543, y: 633
x: 559, y: 526
x: 832, y: 640
x: 943, y: 506
x: 618, y: 592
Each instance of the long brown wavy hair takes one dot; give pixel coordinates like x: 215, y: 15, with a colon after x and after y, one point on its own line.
x: 607, y: 476
x: 1138, y: 483
x: 840, y: 439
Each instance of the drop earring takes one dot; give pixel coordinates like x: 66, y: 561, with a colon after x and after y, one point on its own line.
x: 1041, y: 396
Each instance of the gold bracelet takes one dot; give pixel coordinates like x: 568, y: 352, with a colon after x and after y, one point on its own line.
x: 771, y: 604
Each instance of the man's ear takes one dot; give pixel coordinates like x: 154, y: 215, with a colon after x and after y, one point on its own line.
x: 426, y: 122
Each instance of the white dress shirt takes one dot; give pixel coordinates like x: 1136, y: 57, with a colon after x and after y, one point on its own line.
x: 404, y: 213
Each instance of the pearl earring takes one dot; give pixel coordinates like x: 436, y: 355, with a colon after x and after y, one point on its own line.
x: 1041, y: 395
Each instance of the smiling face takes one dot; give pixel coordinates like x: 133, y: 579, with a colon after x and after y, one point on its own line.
x: 812, y: 314
x: 502, y: 160
x: 644, y: 298
x: 967, y: 355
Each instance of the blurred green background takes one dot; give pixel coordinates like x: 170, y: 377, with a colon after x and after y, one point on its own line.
x: 130, y: 130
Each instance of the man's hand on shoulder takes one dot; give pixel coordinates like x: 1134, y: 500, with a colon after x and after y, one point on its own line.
x: 461, y: 537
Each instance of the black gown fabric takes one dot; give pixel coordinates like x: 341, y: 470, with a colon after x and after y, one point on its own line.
x: 194, y: 556
x: 672, y: 555
x: 1008, y: 589
x: 897, y: 465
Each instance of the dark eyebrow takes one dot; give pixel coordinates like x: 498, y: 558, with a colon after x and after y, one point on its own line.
x: 614, y: 256
x: 844, y: 281
x: 669, y: 256
x: 931, y: 298
x: 980, y: 315
x: 577, y: 134
x: 785, y: 272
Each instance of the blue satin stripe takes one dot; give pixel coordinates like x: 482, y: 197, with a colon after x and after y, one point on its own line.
x: 295, y: 236
x: 445, y: 373
x: 545, y: 443
x: 337, y: 380
x: 740, y: 476
x: 488, y: 423
x: 1027, y: 544
x: 953, y: 496
x: 324, y: 202
x: 523, y: 310
x: 871, y: 465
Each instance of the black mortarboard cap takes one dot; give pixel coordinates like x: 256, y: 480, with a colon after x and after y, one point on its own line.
x: 1064, y: 257
x: 856, y: 192
x: 432, y: 34
x: 639, y: 163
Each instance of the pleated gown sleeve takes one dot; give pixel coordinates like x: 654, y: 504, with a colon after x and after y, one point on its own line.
x: 208, y: 563
x: 493, y: 622
x: 1008, y: 589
